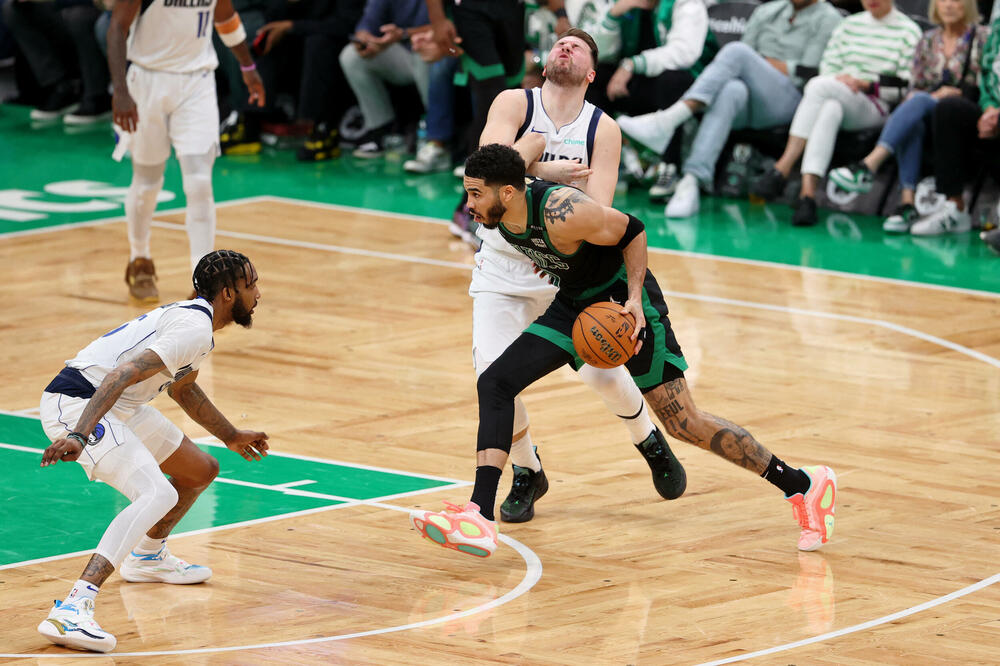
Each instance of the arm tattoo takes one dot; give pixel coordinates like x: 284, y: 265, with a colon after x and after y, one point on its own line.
x: 197, y: 405
x: 558, y: 208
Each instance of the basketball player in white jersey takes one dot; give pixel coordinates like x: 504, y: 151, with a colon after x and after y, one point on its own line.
x: 167, y: 98
x: 582, y: 148
x: 95, y: 413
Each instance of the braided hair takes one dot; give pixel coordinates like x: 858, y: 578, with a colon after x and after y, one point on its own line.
x: 218, y: 269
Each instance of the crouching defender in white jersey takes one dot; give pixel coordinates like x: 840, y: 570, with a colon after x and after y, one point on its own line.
x: 167, y: 98
x: 95, y: 413
x: 582, y: 148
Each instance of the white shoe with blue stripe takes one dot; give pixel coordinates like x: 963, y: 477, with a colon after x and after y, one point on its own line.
x: 162, y: 567
x: 73, y: 625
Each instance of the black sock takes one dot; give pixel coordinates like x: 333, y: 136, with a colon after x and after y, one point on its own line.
x: 484, y: 493
x: 790, y: 480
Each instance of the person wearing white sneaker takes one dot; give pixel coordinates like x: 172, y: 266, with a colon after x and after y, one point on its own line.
x: 753, y: 83
x: 686, y: 199
x: 949, y: 219
x: 432, y: 157
x: 120, y: 440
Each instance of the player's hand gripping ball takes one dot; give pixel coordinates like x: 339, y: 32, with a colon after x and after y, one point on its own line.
x: 602, y: 335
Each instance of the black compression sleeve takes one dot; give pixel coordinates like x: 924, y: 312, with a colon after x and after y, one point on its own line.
x: 634, y: 228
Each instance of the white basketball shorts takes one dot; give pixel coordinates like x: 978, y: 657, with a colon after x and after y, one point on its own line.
x: 145, y: 431
x: 179, y: 110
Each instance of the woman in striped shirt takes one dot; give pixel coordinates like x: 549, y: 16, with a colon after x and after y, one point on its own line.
x: 865, y: 47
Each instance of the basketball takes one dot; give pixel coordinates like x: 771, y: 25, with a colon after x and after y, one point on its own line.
x: 602, y: 335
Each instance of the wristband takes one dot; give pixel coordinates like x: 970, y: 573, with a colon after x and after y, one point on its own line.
x: 560, y: 13
x: 248, y: 68
x: 78, y: 437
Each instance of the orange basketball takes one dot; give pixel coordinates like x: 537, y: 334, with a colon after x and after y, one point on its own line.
x: 602, y: 336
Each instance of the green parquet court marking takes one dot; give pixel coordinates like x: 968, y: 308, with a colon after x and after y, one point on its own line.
x: 51, y: 512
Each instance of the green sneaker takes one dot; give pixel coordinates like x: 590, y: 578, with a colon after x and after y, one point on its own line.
x: 668, y: 473
x: 528, y: 486
x: 853, y: 178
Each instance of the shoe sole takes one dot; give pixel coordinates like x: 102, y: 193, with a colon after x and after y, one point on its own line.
x: 530, y: 512
x: 55, y: 633
x: 832, y: 477
x: 433, y: 533
x: 154, y: 298
x: 243, y: 149
x: 139, y: 577
x: 71, y: 119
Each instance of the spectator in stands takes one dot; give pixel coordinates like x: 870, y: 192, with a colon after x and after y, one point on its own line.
x: 322, y: 28
x: 434, y: 155
x: 946, y: 64
x: 240, y: 132
x: 57, y: 39
x: 380, y: 54
x: 965, y: 140
x: 662, y: 46
x: 847, y: 94
x: 750, y: 83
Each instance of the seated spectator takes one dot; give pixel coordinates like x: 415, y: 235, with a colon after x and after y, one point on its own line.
x: 750, y: 83
x: 946, y: 64
x: 57, y: 39
x: 434, y: 155
x: 878, y: 42
x: 321, y: 29
x: 380, y: 53
x: 662, y: 45
x: 965, y: 136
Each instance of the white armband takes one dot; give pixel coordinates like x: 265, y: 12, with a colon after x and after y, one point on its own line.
x: 231, y: 31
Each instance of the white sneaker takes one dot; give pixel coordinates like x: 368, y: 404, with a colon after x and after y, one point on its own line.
x: 686, y: 199
x: 946, y: 220
x: 430, y: 158
x: 162, y: 567
x: 459, y: 171
x: 73, y: 625
x: 646, y: 130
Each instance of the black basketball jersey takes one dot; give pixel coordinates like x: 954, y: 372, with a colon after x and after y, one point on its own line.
x: 589, y: 267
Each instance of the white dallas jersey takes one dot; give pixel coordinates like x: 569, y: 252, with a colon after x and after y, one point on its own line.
x: 574, y: 141
x: 174, y: 36
x: 180, y: 334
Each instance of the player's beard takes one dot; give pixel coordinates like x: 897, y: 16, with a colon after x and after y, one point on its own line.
x: 491, y: 220
x: 564, y: 75
x: 241, y: 314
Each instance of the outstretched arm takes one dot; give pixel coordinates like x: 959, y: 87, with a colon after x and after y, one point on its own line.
x: 144, y: 366
x: 197, y: 405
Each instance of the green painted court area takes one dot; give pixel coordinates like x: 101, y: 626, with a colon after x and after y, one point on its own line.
x: 75, y: 511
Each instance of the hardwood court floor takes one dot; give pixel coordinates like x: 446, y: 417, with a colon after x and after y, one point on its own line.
x: 360, y: 353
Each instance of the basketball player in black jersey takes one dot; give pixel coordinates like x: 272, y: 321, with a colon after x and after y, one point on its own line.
x: 594, y: 253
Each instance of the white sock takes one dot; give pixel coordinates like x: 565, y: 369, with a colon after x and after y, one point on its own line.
x: 147, y: 546
x: 640, y: 426
x: 522, y: 454
x: 140, y: 202
x: 81, y: 590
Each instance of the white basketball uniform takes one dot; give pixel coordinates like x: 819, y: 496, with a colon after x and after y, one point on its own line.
x: 507, y: 293
x: 180, y: 334
x: 172, y: 81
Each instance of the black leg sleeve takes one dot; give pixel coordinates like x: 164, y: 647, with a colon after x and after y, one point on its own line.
x: 526, y: 360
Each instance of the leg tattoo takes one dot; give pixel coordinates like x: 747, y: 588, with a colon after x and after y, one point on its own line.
x: 97, y: 571
x: 736, y: 445
x: 668, y: 407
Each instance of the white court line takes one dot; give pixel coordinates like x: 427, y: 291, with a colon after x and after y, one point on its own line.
x: 532, y: 574
x: 294, y: 484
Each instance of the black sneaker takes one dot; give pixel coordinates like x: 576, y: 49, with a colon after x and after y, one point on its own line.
x: 668, y: 473
x: 770, y: 186
x: 239, y: 135
x: 527, y: 488
x: 63, y: 98
x: 901, y: 220
x: 91, y: 110
x: 372, y: 144
x: 323, y: 144
x: 805, y: 212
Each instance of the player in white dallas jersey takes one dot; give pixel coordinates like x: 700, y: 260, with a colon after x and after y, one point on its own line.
x: 167, y: 98
x: 95, y: 412
x: 583, y: 146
